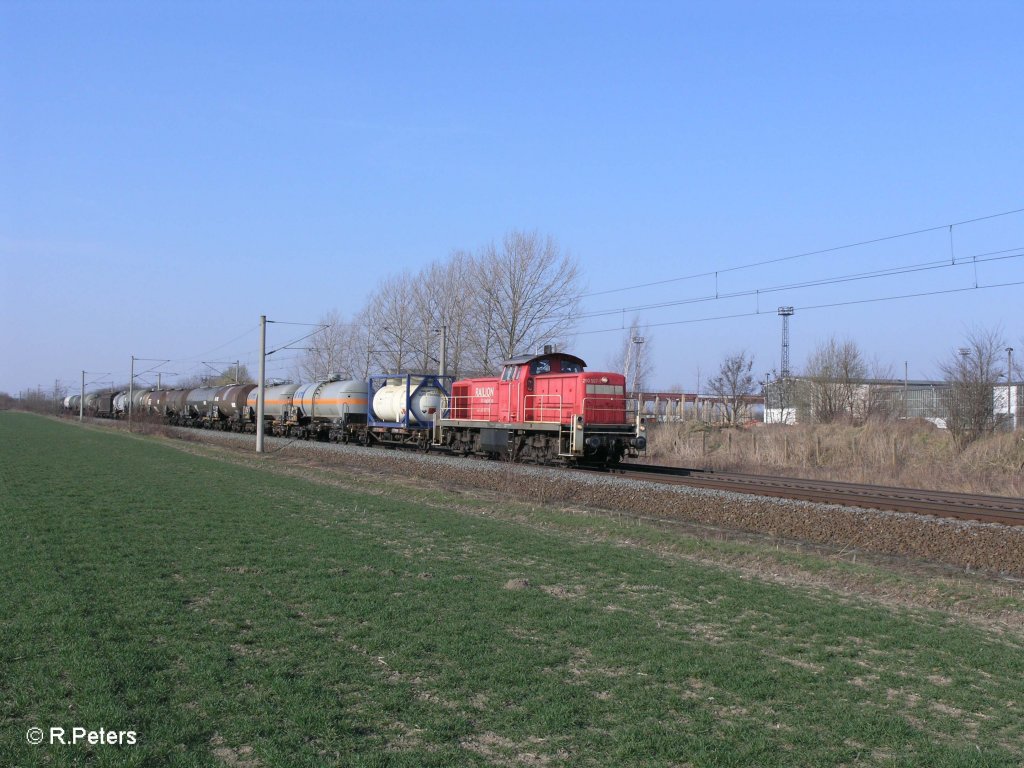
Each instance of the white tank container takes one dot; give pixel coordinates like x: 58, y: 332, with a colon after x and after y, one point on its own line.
x: 389, y: 403
x: 121, y: 402
x: 331, y: 399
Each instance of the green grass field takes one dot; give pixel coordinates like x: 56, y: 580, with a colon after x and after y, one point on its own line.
x: 233, y: 617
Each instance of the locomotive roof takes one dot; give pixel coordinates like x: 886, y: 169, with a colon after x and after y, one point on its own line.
x: 523, y: 359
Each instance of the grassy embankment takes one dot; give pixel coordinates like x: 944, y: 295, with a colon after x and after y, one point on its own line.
x: 906, y: 454
x: 236, y: 617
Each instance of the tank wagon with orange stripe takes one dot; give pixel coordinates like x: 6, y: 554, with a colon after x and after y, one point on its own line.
x: 328, y: 410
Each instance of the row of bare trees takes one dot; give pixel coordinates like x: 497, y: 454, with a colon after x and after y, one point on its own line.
x: 503, y: 299
x: 839, y: 384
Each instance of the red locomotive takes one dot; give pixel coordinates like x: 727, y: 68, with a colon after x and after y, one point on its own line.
x: 544, y: 408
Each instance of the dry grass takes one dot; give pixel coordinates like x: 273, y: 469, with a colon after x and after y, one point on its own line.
x: 908, y: 454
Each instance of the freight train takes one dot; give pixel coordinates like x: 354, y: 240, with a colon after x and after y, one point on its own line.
x: 542, y: 408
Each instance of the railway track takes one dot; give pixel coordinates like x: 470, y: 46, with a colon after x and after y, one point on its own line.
x: 963, y: 506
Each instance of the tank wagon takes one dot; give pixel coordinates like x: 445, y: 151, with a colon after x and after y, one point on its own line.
x: 276, y: 406
x: 138, y: 400
x: 120, y: 404
x: 230, y: 404
x: 332, y: 410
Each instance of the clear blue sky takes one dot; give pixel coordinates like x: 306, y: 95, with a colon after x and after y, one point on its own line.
x: 170, y: 171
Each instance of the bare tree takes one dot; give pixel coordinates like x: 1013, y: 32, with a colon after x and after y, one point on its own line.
x: 395, y: 330
x: 835, y: 373
x: 734, y: 383
x: 885, y: 397
x: 972, y: 371
x: 526, y: 293
x: 488, y: 307
x: 329, y: 350
x: 440, y: 295
x: 633, y: 356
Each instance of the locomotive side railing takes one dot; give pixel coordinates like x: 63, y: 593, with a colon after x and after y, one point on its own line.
x: 543, y: 409
x: 547, y: 409
x: 473, y: 407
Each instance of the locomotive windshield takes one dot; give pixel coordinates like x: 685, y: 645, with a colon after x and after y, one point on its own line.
x: 556, y: 365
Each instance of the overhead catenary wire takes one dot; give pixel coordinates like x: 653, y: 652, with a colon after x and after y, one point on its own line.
x: 1002, y: 255
x: 197, y: 357
x: 809, y: 307
x: 819, y: 252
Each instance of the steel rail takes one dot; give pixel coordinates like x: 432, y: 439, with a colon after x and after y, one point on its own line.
x: 993, y: 509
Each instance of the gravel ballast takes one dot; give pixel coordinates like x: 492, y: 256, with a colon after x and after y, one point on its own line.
x: 965, y: 544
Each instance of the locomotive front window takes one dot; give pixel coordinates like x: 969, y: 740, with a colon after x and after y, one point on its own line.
x: 605, y: 389
x: 540, y: 366
x: 506, y: 373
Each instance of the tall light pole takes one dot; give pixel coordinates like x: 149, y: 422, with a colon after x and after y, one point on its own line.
x: 785, y: 313
x: 637, y: 340
x: 442, y: 364
x: 1009, y: 385
x: 906, y: 386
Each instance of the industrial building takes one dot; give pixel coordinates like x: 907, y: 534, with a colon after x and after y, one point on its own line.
x: 803, y: 400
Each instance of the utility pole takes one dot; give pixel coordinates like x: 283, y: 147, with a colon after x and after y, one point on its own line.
x: 131, y: 394
x: 262, y: 391
x: 81, y: 399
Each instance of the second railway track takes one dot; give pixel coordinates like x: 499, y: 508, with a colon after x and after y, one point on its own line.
x: 990, y: 509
